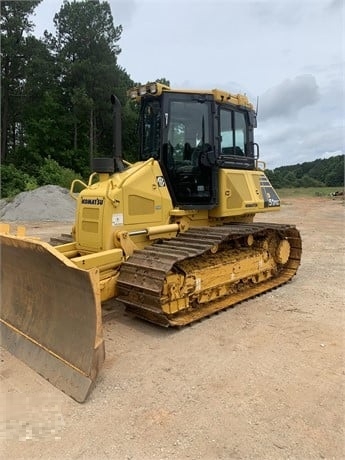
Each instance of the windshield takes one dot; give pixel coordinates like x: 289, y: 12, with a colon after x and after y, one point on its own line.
x: 188, y: 128
x: 186, y: 150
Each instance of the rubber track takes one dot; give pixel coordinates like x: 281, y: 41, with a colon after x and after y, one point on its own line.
x: 142, y: 276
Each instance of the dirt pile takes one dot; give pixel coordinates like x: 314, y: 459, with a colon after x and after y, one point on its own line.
x: 48, y: 203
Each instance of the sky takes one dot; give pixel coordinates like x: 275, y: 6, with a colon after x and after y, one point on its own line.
x: 287, y: 56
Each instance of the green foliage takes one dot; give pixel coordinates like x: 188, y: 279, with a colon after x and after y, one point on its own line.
x: 306, y: 192
x: 317, y: 173
x: 46, y: 128
x: 163, y: 81
x: 14, y: 181
x: 15, y: 29
x: 86, y: 48
x: 56, y: 91
x: 52, y: 173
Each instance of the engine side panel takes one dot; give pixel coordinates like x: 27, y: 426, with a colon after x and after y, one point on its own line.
x: 244, y: 192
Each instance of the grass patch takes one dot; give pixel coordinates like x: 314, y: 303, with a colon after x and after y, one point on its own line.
x: 306, y: 191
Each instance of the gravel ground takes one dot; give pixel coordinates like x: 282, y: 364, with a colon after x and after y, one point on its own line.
x: 263, y: 380
x: 48, y: 203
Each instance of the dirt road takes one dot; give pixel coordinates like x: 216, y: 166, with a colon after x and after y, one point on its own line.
x: 264, y: 380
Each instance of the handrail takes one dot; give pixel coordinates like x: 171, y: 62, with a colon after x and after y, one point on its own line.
x: 150, y: 160
x: 110, y: 183
x: 263, y: 165
x: 91, y: 177
x: 71, y: 190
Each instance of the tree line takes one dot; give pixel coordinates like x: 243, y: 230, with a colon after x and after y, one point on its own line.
x: 55, y: 99
x: 328, y: 172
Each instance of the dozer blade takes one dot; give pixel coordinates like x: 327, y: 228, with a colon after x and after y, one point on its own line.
x: 51, y: 314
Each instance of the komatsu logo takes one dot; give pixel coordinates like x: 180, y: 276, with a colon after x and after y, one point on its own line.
x: 160, y: 181
x: 93, y: 201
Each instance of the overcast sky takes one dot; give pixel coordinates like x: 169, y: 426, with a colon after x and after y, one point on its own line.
x: 289, y: 54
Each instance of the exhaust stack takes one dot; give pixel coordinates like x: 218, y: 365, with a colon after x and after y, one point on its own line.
x: 108, y: 165
x: 117, y: 133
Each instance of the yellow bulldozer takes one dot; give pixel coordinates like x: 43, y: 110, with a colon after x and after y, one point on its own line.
x: 171, y: 236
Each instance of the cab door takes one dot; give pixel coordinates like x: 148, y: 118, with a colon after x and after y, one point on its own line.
x: 188, y: 152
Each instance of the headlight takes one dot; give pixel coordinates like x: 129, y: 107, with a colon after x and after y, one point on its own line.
x: 142, y: 90
x: 153, y: 88
x: 150, y: 88
x: 133, y: 93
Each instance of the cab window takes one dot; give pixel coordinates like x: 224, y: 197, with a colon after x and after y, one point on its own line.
x: 233, y: 132
x: 188, y: 129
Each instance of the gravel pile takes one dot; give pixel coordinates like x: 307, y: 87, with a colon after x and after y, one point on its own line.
x: 48, y: 203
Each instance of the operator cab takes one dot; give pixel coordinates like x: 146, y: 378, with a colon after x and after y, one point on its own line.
x: 193, y: 134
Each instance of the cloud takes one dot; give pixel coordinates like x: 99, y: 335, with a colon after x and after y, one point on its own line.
x: 289, y: 97
x: 335, y: 5
x: 307, y: 131
x: 289, y: 53
x: 299, y: 140
x: 279, y: 13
